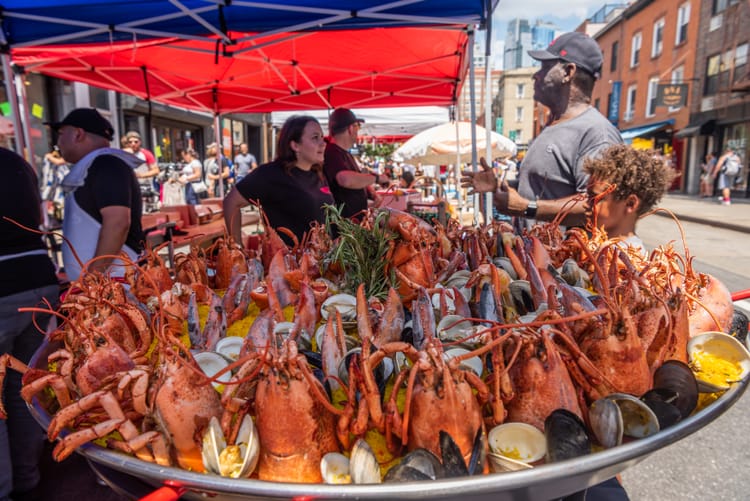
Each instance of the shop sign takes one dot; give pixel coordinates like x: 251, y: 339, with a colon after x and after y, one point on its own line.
x: 613, y: 113
x: 672, y: 95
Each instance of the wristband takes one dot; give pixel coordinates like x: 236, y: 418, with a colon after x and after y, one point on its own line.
x: 530, y: 211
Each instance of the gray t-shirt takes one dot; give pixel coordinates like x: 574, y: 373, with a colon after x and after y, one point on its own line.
x: 243, y: 164
x: 553, y: 165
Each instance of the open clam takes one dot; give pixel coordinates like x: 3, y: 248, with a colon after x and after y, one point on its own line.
x: 234, y: 461
x: 230, y: 347
x: 718, y: 360
x: 473, y: 364
x: 621, y: 414
x: 211, y: 363
x: 453, y: 327
x: 361, y: 468
x: 514, y: 445
x: 345, y: 303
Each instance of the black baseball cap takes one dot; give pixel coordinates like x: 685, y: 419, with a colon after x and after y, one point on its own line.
x: 87, y: 119
x: 340, y: 119
x: 574, y: 47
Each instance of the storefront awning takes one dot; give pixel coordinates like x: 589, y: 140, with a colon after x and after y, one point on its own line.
x: 704, y: 128
x: 630, y: 134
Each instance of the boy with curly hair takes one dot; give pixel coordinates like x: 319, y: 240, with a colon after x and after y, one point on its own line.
x: 624, y: 183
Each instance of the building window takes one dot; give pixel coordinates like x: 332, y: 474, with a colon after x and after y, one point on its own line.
x: 725, y: 69
x: 517, y: 135
x: 520, y: 90
x: 519, y: 113
x: 683, y: 16
x: 740, y: 62
x: 613, y: 57
x: 657, y: 44
x: 678, y: 75
x: 711, y: 85
x: 719, y: 5
x: 653, y: 85
x: 630, y: 106
x: 635, y: 50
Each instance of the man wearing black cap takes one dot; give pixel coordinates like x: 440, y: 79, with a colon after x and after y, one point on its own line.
x: 103, y: 199
x: 349, y: 185
x: 551, y: 175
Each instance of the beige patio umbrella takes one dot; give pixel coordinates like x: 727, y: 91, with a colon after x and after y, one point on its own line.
x: 443, y: 144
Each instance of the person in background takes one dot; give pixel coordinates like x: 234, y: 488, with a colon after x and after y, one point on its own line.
x: 192, y: 177
x: 213, y: 173
x: 54, y: 170
x: 707, y: 179
x: 624, y: 184
x: 292, y: 189
x: 103, y: 199
x: 350, y: 185
x: 406, y: 181
x: 147, y: 171
x: 551, y: 177
x: 244, y: 162
x: 28, y: 279
x: 726, y: 179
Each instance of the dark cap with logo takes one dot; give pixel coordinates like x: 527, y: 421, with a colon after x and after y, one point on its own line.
x: 87, y: 119
x: 573, y: 47
x: 340, y: 119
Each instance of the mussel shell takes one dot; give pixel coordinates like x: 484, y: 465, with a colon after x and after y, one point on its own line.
x: 661, y: 401
x: 574, y: 275
x: 453, y: 460
x: 419, y: 464
x: 606, y: 424
x: 738, y: 327
x: 677, y: 377
x: 566, y: 436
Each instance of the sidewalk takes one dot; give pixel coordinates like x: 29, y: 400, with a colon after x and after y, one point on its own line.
x: 709, y: 211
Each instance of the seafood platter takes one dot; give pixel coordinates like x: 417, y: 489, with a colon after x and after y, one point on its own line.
x: 401, y: 359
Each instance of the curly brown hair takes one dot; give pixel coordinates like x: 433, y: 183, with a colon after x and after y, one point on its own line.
x: 637, y: 172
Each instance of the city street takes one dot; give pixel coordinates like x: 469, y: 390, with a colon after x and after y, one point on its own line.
x: 707, y: 464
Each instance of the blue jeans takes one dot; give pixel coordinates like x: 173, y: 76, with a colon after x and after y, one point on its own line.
x: 21, y: 438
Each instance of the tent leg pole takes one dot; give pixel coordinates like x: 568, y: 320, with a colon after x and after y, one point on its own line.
x: 219, y: 148
x: 472, y: 119
x: 488, y: 199
x: 20, y: 144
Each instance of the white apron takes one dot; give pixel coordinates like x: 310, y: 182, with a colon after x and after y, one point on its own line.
x: 81, y: 231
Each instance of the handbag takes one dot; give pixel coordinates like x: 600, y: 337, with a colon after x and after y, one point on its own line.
x: 199, y: 186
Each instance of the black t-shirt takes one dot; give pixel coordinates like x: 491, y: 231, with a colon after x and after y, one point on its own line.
x: 20, y: 201
x: 290, y: 200
x: 110, y: 181
x: 338, y: 159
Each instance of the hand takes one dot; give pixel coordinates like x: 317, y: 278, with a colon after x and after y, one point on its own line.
x: 482, y: 181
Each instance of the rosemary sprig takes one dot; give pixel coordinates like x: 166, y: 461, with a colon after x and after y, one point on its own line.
x: 361, y: 253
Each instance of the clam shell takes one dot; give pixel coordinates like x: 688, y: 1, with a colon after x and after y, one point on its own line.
x: 234, y: 461
x: 230, y: 347
x: 724, y: 347
x: 363, y: 465
x: 473, y: 364
x: 345, y: 303
x: 605, y: 420
x: 502, y: 464
x: 211, y: 363
x: 526, y: 440
x: 334, y: 467
x: 452, y: 327
x: 638, y: 420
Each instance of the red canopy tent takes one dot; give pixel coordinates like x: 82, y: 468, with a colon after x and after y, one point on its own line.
x: 374, y: 67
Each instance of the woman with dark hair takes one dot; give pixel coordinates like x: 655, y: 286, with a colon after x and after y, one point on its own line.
x: 292, y: 189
